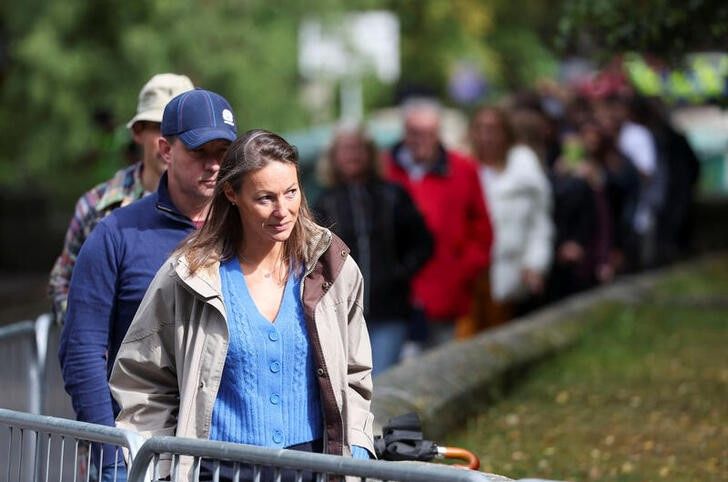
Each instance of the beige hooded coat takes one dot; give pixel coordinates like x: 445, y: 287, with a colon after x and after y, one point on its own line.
x: 168, y: 370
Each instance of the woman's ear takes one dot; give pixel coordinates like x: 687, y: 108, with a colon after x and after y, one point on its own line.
x: 229, y: 193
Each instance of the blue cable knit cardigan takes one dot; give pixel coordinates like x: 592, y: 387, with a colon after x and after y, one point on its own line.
x: 268, y: 394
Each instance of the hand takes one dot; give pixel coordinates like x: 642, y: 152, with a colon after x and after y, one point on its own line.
x: 605, y: 273
x: 570, y: 252
x: 533, y: 281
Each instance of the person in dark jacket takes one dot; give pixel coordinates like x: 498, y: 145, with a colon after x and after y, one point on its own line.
x: 575, y: 220
x: 681, y: 173
x: 621, y: 185
x: 387, y: 236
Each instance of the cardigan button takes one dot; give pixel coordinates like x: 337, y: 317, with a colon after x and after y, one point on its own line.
x: 320, y: 372
x: 326, y: 285
x: 343, y: 253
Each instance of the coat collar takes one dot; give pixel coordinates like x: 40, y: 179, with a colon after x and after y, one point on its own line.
x: 318, y: 240
x: 206, y: 280
x: 439, y: 167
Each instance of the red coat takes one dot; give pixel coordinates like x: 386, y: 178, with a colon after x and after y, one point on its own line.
x: 451, y: 201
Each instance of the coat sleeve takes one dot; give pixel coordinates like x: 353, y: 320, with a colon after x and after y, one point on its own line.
x: 144, y: 378
x: 360, y: 420
x: 476, y: 253
x: 415, y: 244
x: 84, y: 343
x: 540, y: 237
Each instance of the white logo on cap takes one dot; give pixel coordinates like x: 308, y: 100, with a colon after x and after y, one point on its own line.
x: 227, y: 117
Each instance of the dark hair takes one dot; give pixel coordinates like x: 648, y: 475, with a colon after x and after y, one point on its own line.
x: 504, y: 118
x: 140, y: 125
x: 222, y: 233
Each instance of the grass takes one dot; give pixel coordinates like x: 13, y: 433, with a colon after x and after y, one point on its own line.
x: 642, y: 397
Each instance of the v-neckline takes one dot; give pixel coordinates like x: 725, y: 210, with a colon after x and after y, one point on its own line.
x: 251, y: 300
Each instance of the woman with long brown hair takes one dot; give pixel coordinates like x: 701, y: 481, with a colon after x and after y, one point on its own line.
x: 518, y: 196
x: 253, y: 332
x: 387, y: 235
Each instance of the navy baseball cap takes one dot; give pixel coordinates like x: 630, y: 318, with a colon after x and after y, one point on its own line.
x: 199, y: 116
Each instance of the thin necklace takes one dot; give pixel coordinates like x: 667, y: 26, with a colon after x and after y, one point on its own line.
x: 267, y: 275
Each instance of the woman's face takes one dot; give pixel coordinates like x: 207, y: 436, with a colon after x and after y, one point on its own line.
x: 591, y: 137
x: 487, y: 132
x: 350, y: 157
x: 268, y: 202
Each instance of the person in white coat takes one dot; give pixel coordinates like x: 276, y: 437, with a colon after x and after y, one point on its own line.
x: 519, y: 198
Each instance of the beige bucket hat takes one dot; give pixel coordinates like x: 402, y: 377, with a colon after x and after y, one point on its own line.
x: 155, y: 94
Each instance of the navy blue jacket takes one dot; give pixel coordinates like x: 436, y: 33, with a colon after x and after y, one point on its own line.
x: 114, y: 268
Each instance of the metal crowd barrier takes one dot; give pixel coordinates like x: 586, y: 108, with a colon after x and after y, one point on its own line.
x: 31, y: 376
x: 236, y: 463
x: 56, y: 401
x: 35, y: 447
x: 41, y: 448
x: 22, y: 367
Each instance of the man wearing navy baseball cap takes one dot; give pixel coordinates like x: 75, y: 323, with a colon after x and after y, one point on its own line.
x: 123, y: 253
x: 197, y: 128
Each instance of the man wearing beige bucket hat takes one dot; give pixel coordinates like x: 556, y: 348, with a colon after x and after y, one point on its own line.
x: 126, y: 186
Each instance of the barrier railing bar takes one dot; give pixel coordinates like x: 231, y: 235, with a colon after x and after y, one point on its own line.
x: 19, y: 328
x: 21, y: 446
x: 100, y: 461
x: 75, y: 461
x: 63, y: 450
x: 236, y: 477
x: 281, y: 458
x: 88, y: 463
x: 48, y: 459
x: 10, y: 451
x: 37, y: 459
x: 196, y: 467
x: 79, y: 430
x: 42, y: 337
x: 40, y: 330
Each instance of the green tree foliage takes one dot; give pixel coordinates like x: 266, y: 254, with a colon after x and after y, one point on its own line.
x: 509, y: 43
x: 68, y: 62
x: 664, y: 28
x: 436, y: 33
x: 70, y: 71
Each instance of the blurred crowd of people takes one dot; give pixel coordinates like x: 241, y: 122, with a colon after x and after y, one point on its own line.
x: 553, y: 193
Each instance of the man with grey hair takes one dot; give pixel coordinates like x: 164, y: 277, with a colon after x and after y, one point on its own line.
x: 127, y: 185
x: 445, y: 188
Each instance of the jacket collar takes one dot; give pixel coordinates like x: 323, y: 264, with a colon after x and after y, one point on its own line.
x: 439, y: 167
x: 318, y: 240
x: 123, y: 189
x: 165, y: 204
x: 206, y: 280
